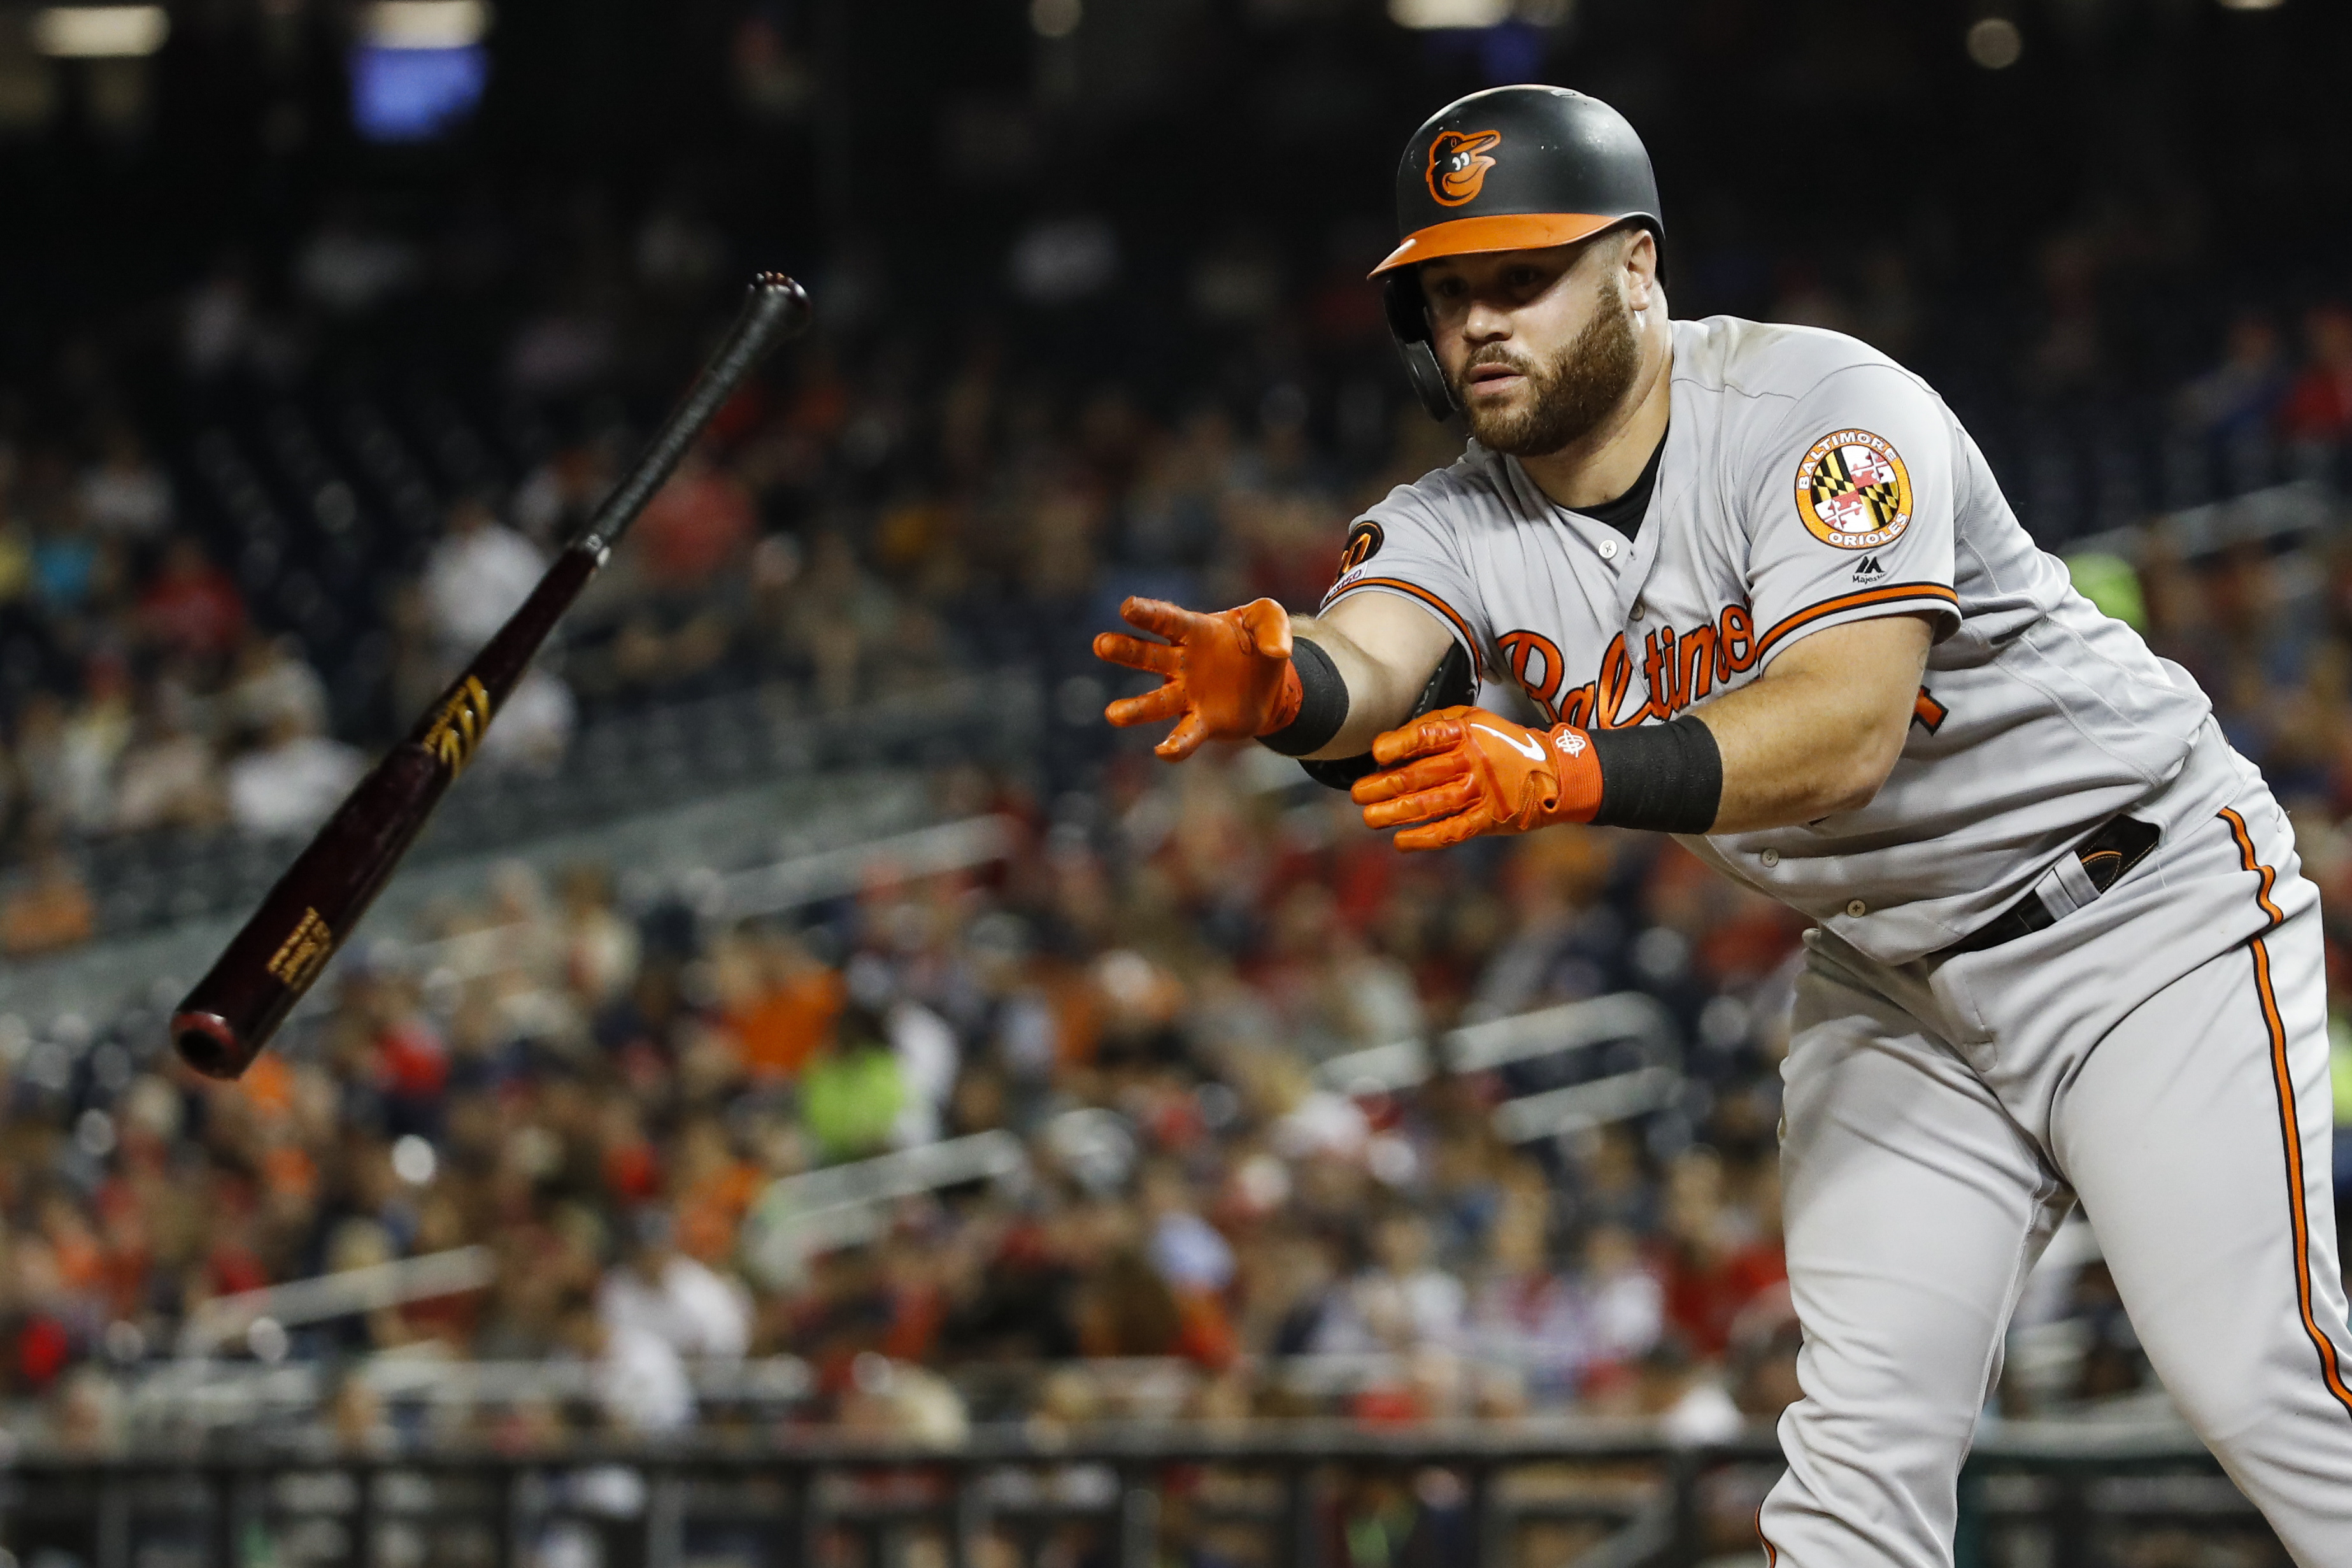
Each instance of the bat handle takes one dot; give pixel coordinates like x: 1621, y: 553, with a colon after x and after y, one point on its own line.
x: 775, y: 308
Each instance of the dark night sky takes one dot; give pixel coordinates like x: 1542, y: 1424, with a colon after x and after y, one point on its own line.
x: 2208, y: 147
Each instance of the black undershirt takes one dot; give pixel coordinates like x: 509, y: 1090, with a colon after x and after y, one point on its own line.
x: 1626, y: 513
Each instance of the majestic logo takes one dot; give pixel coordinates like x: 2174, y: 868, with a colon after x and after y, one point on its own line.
x: 1853, y: 491
x: 1868, y: 568
x: 1458, y: 165
x: 1364, y: 541
x: 457, y: 727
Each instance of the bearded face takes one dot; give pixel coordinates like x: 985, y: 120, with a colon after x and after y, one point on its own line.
x: 1567, y: 394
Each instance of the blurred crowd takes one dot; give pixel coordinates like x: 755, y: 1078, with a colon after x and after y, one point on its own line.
x: 176, y: 656
x: 261, y: 494
x: 1142, y: 994
x: 247, y: 534
x: 265, y: 487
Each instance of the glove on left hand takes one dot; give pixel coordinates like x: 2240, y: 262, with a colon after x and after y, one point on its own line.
x: 1462, y: 772
x: 1228, y: 675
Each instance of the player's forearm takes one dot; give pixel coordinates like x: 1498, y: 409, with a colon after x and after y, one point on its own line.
x: 1380, y: 695
x: 1799, y: 747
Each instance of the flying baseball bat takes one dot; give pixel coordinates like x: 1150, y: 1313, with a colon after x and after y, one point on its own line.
x: 224, y: 1023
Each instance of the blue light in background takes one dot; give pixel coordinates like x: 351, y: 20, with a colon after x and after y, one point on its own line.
x: 414, y: 95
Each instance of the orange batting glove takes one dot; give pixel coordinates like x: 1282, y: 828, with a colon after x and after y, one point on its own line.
x: 1229, y: 675
x: 1462, y: 771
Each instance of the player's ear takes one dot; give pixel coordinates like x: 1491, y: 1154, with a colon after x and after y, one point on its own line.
x: 1637, y: 260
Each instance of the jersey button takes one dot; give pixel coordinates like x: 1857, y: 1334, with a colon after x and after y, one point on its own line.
x: 1857, y: 909
x: 1640, y: 609
x: 1608, y: 550
x: 1771, y: 857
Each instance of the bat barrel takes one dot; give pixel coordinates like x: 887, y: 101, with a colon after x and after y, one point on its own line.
x: 223, y: 1023
x: 209, y: 1043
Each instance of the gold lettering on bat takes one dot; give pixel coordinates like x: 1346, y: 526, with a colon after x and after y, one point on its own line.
x: 303, y: 951
x: 458, y: 727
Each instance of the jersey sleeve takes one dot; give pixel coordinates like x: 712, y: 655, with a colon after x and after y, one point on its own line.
x: 1851, y: 509
x: 1403, y: 547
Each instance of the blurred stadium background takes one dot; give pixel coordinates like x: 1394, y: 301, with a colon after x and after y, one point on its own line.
x: 820, y: 1096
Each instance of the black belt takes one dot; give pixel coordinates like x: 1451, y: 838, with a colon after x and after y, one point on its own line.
x: 2105, y: 857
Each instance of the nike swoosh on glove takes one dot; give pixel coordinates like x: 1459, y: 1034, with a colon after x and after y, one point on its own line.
x: 1459, y: 772
x: 1227, y: 676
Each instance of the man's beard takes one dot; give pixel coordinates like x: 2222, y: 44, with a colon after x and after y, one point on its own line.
x: 1572, y: 395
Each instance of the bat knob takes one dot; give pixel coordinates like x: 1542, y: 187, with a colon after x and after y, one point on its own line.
x: 206, y: 1043
x: 790, y: 302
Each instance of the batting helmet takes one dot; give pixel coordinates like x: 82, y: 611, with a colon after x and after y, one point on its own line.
x: 1512, y: 168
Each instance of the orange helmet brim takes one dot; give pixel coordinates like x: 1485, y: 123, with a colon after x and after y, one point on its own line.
x: 1501, y: 231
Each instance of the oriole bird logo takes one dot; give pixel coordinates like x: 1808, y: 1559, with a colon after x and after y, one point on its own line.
x: 1458, y: 165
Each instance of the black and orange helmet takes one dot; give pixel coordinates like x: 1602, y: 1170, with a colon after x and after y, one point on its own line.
x: 1512, y: 168
x: 1518, y: 168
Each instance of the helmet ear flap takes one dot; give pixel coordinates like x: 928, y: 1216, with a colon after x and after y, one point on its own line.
x: 1409, y: 324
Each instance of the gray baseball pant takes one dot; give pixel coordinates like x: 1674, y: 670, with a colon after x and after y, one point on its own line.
x: 2160, y: 1056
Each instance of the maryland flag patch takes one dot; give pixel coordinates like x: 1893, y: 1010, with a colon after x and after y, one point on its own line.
x: 1854, y: 491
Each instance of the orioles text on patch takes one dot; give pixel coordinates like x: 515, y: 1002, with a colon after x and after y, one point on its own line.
x: 1854, y: 491
x: 1458, y: 165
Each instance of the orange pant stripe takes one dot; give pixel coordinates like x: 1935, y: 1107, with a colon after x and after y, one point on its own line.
x: 2290, y: 1127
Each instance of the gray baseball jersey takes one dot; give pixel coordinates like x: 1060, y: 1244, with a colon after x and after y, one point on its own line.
x: 1808, y: 481
x: 2158, y: 1047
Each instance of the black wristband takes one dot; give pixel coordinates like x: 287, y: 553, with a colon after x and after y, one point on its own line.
x: 1452, y: 684
x: 1665, y: 778
x: 1339, y: 773
x: 1322, y: 703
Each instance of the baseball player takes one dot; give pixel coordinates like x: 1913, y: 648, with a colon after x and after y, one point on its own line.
x: 1766, y: 595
